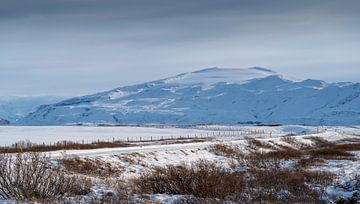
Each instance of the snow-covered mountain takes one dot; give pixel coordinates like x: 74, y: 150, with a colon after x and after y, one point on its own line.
x: 214, y: 95
x: 13, y: 108
x: 4, y: 122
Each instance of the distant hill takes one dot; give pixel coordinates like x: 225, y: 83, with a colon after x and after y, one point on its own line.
x: 12, y: 108
x: 4, y: 122
x: 215, y: 95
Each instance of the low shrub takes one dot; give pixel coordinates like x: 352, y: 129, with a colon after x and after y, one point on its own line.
x: 28, y: 177
x: 227, y: 151
x: 26, y: 146
x: 254, y: 144
x: 201, y: 179
x: 286, y: 186
x: 88, y: 166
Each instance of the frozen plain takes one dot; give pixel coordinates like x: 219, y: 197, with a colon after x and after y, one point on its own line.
x: 52, y: 134
x: 87, y: 134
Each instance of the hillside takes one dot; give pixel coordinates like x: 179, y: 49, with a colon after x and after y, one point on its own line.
x: 214, y: 95
x: 4, y: 122
x: 12, y: 108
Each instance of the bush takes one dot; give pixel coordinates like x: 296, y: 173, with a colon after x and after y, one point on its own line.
x: 196, y: 200
x: 201, y: 179
x: 226, y: 151
x: 28, y: 177
x: 27, y: 146
x: 254, y: 144
x: 286, y: 185
x: 89, y: 166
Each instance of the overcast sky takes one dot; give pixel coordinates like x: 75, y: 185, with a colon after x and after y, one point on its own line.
x: 75, y: 47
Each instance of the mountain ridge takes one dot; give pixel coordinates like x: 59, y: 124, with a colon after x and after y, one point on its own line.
x: 212, y: 95
x: 4, y: 122
x: 12, y: 108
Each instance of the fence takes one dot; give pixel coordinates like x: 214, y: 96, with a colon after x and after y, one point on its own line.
x: 230, y: 134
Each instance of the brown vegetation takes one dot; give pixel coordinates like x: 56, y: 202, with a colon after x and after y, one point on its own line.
x: 280, y: 175
x: 27, y: 146
x: 207, y: 182
x: 254, y: 144
x: 201, y: 179
x: 226, y: 151
x: 29, y: 177
x: 285, y: 185
x: 64, y: 145
x: 89, y: 166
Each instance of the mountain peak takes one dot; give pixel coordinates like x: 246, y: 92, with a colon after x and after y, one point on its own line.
x: 207, y: 70
x: 213, y: 95
x: 219, y: 69
x: 214, y: 75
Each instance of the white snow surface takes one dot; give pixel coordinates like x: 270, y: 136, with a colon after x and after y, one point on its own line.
x: 211, y: 76
x: 12, y: 108
x: 139, y: 159
x: 52, y: 134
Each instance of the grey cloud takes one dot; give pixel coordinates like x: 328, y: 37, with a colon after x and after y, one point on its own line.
x: 78, y: 47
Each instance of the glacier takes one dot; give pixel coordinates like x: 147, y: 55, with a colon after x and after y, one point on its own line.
x: 211, y: 96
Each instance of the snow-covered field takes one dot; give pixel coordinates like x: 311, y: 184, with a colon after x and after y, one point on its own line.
x: 52, y: 134
x: 139, y: 159
x: 134, y: 161
x: 331, y: 134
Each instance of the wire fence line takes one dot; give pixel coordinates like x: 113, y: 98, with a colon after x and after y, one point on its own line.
x: 239, y: 134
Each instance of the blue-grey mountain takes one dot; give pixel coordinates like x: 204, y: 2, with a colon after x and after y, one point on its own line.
x: 217, y: 96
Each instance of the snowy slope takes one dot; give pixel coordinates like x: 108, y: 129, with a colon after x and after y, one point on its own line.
x: 13, y: 108
x: 214, y: 95
x: 4, y: 122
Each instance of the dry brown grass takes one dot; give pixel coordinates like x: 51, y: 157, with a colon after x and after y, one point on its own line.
x: 331, y: 151
x: 87, y: 166
x: 304, y: 154
x: 268, y: 181
x: 21, y: 147
x: 278, y: 175
x: 226, y: 151
x: 285, y: 153
x: 254, y: 144
x: 286, y: 186
x: 181, y: 141
x: 206, y: 182
x: 289, y: 139
x: 349, y: 146
x: 331, y: 154
x: 188, y: 199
